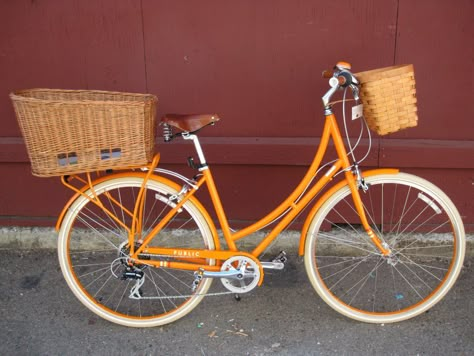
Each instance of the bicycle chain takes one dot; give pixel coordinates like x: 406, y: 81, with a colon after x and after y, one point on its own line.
x: 184, y: 296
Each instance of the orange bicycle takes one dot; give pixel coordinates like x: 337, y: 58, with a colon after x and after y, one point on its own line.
x: 138, y: 249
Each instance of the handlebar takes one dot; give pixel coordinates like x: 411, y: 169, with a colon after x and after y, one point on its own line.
x: 340, y: 77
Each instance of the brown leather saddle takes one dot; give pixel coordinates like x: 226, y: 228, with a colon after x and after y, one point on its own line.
x: 190, y: 123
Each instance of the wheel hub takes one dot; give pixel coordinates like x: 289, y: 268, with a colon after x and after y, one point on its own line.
x: 392, y: 259
x: 124, y: 253
x: 131, y: 269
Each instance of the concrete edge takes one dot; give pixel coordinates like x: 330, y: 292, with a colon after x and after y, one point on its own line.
x: 46, y: 238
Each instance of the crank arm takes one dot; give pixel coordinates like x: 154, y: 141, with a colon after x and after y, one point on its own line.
x: 223, y: 274
x: 273, y: 265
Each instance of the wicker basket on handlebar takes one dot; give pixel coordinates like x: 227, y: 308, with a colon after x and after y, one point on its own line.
x: 75, y: 131
x: 389, y: 98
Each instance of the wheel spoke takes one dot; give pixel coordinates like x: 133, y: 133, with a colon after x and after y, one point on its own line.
x: 99, y: 233
x: 363, y: 281
x: 350, y: 243
x: 345, y: 275
x: 341, y: 262
x: 408, y: 282
x: 358, y: 233
x: 421, y: 266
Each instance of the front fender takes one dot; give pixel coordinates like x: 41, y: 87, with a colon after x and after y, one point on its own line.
x: 163, y: 180
x: 326, y: 195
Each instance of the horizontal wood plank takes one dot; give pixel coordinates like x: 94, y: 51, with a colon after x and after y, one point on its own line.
x: 295, y: 151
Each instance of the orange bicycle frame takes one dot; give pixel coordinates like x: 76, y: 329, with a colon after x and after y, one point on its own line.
x: 288, y: 210
x: 296, y: 202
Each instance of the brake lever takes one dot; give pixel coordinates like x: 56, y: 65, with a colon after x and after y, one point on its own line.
x: 355, y: 91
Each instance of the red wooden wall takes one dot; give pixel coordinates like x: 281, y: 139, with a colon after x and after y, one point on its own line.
x: 257, y: 64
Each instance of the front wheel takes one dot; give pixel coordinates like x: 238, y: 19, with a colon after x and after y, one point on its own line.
x: 94, y: 248
x: 423, y: 230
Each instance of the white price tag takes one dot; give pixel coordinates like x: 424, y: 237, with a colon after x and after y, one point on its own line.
x: 357, y: 112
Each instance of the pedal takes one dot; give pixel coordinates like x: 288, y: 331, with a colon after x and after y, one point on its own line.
x: 281, y: 257
x: 278, y: 262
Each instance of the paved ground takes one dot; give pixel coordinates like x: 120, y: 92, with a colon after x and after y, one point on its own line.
x: 40, y: 316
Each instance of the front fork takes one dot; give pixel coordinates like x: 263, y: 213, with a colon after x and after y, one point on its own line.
x: 356, y: 184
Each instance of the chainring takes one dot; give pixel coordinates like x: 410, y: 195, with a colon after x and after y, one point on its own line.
x: 248, y: 277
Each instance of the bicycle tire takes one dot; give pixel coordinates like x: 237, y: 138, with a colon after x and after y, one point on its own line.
x: 422, y: 228
x: 92, y: 252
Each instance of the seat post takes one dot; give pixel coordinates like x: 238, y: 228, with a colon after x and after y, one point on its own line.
x: 197, y: 146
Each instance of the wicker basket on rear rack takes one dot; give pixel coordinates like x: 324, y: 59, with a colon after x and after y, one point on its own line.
x: 389, y: 98
x: 76, y: 131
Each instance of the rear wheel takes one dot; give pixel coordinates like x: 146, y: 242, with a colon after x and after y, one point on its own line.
x: 423, y: 230
x: 93, y: 254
